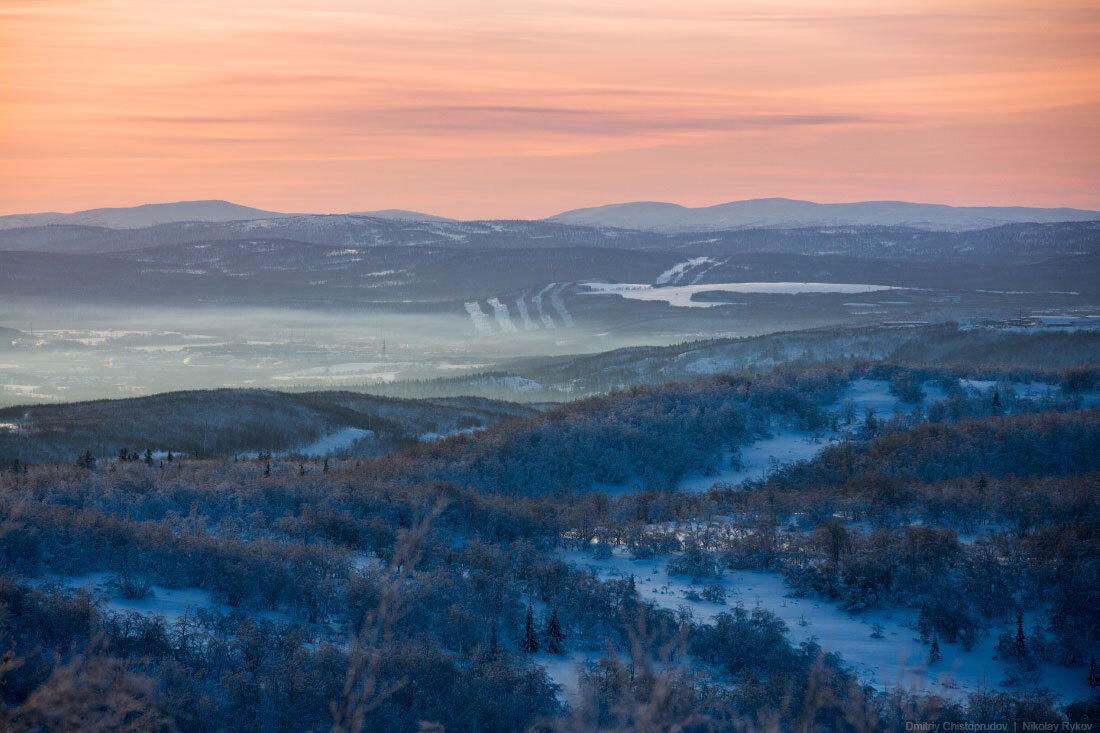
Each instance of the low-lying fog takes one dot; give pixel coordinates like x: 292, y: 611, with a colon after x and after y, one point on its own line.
x: 67, y: 353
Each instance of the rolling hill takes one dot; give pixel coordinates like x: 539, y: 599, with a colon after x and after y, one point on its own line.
x: 783, y: 213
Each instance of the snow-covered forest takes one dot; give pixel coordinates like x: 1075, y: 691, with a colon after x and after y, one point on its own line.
x: 846, y: 545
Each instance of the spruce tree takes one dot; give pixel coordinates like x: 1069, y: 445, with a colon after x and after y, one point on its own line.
x: 1019, y: 646
x: 934, y: 653
x: 148, y: 457
x: 169, y: 455
x: 529, y: 644
x: 1094, y: 673
x: 553, y: 634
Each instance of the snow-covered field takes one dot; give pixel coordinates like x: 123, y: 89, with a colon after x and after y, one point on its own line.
x: 169, y: 603
x: 758, y: 459
x: 788, y: 445
x: 681, y: 295
x: 897, y: 658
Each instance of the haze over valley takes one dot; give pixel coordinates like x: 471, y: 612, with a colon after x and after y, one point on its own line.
x: 221, y: 298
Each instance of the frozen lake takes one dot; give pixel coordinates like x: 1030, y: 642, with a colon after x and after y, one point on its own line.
x: 681, y: 295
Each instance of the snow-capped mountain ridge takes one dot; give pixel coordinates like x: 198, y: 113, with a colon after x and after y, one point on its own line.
x: 777, y: 213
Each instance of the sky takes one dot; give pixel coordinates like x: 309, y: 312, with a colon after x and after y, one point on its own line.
x: 524, y: 108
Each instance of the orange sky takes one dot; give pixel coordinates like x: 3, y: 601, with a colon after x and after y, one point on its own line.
x: 522, y: 108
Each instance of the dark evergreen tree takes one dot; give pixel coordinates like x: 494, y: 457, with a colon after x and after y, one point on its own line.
x: 124, y: 454
x: 553, y: 634
x: 87, y: 460
x: 301, y: 469
x: 148, y: 457
x: 996, y: 401
x: 324, y: 469
x: 169, y: 455
x: 1094, y: 673
x: 529, y: 644
x: 934, y: 653
x: 267, y: 469
x: 1019, y: 644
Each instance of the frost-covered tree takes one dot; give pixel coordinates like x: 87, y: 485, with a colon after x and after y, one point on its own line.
x: 553, y: 634
x: 529, y: 644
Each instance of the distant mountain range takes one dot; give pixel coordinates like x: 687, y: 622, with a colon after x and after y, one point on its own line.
x: 773, y: 213
x: 780, y: 213
x: 147, y: 215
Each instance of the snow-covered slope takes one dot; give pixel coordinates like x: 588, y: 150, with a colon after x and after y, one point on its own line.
x: 136, y: 217
x: 780, y: 213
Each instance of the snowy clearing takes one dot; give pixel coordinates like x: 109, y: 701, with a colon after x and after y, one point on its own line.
x: 547, y: 321
x: 898, y: 658
x: 676, y: 273
x: 559, y: 306
x: 333, y: 442
x: 758, y: 459
x: 479, y: 318
x: 169, y: 603
x: 502, y: 316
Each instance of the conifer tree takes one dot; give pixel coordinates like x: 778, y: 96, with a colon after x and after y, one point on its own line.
x: 529, y: 644
x: 148, y: 457
x: 554, y: 635
x: 169, y: 455
x: 1019, y: 646
x: 1094, y: 673
x: 934, y: 653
